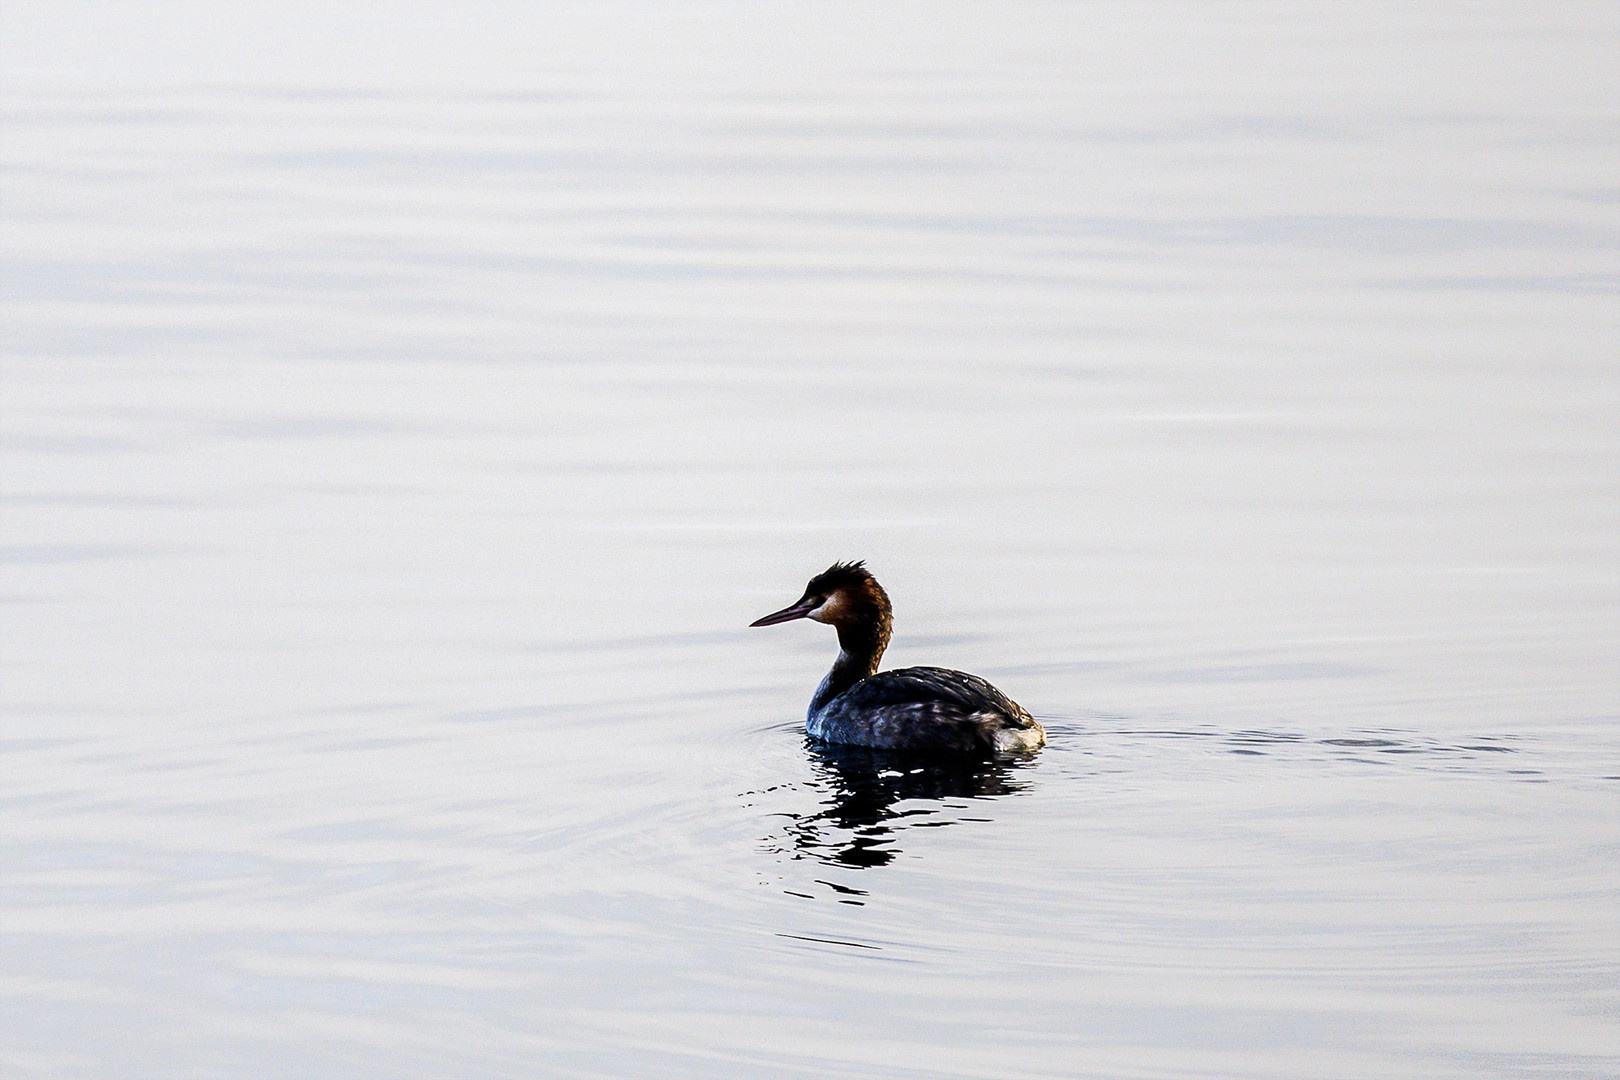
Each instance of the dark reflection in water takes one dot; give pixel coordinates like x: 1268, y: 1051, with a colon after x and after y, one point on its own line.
x: 868, y: 801
x: 874, y: 797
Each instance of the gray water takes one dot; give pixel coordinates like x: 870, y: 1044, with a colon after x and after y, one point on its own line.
x: 406, y: 409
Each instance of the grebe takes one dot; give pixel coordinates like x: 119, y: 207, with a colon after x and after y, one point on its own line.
x: 914, y: 709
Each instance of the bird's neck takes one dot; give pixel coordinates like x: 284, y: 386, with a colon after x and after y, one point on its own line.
x: 860, y: 647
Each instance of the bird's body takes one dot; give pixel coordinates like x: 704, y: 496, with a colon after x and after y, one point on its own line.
x: 917, y: 709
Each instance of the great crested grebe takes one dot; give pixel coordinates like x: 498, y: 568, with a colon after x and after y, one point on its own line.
x: 913, y: 709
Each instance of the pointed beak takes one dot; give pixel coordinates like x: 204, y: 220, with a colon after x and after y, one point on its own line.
x: 797, y: 611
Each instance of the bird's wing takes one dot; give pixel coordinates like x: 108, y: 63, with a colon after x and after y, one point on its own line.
x: 949, y: 690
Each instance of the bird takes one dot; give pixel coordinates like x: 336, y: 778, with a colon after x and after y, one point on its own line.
x: 926, y: 710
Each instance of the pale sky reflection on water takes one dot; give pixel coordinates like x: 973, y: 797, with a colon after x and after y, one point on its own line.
x: 407, y: 407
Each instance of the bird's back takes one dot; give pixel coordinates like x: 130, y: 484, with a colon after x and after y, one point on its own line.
x: 926, y: 709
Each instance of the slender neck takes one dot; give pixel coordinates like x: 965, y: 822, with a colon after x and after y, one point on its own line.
x: 860, y: 647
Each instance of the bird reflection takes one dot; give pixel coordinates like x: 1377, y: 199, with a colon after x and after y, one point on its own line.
x: 862, y: 821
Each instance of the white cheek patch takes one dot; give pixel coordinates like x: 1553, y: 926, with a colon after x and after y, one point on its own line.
x: 830, y: 609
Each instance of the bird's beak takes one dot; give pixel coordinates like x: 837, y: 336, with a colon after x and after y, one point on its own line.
x: 797, y: 611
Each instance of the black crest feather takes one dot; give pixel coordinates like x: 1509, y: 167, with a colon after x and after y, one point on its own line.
x: 838, y: 575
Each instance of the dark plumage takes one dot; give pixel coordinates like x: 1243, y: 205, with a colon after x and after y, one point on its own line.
x: 920, y: 709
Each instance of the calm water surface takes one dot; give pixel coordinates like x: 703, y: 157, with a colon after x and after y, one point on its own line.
x: 397, y: 445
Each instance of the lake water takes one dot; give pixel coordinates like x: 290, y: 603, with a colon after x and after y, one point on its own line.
x: 406, y: 410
